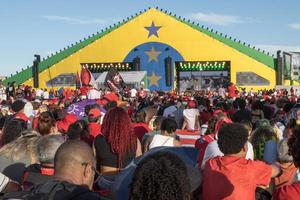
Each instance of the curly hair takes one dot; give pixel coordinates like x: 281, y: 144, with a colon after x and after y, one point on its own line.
x: 294, y: 146
x: 232, y: 138
x: 118, y: 131
x: 160, y: 176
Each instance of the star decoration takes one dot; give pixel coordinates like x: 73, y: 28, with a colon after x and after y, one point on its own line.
x: 153, y: 79
x: 152, y: 29
x: 153, y: 54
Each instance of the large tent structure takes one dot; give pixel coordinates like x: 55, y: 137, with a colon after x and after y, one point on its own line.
x: 169, y: 48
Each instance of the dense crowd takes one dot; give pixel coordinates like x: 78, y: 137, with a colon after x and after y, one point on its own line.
x: 226, y: 143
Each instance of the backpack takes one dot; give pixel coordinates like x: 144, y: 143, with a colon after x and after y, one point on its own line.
x: 47, y: 191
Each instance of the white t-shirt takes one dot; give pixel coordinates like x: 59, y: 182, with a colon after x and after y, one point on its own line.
x: 39, y: 93
x: 94, y: 94
x: 191, y: 115
x: 3, y: 93
x: 212, y: 150
x: 46, y: 95
x: 133, y: 92
x: 161, y: 141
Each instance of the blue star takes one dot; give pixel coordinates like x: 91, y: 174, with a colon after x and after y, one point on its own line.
x: 152, y: 29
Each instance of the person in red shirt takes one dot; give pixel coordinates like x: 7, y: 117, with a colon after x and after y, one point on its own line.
x: 291, y: 192
x: 232, y: 176
x: 140, y: 128
x: 232, y: 90
x: 94, y: 122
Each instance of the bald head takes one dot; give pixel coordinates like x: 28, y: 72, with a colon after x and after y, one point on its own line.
x: 71, y: 155
x: 74, y: 162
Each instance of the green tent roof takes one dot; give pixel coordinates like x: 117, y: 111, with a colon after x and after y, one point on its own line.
x: 26, y: 74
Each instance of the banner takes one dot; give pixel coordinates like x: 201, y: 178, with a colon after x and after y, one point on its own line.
x: 87, y: 78
x: 114, y: 81
x: 78, y: 108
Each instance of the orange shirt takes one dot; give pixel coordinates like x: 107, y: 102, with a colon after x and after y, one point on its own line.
x: 289, y: 171
x: 233, y: 177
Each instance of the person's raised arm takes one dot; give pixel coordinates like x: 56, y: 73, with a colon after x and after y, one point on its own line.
x: 138, y: 148
x: 184, y: 124
x: 276, y: 170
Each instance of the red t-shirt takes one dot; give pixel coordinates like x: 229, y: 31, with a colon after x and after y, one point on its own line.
x: 288, y: 192
x: 205, y: 116
x: 233, y: 177
x: 231, y: 91
x: 140, y: 129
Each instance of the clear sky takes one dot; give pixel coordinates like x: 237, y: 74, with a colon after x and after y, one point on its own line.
x: 29, y: 27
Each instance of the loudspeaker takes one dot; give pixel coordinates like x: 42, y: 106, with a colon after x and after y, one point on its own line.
x: 168, y: 71
x: 136, y: 64
x: 35, y: 71
x: 280, y: 69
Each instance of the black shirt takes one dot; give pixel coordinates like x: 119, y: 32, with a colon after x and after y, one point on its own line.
x: 106, y: 158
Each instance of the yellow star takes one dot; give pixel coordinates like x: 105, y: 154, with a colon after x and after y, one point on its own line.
x: 153, y: 79
x: 153, y: 54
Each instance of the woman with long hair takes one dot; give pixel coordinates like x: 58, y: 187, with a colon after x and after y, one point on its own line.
x: 118, y: 145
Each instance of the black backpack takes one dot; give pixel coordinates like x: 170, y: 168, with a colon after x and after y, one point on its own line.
x: 48, y: 191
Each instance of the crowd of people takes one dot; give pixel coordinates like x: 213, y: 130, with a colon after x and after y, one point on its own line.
x: 212, y: 144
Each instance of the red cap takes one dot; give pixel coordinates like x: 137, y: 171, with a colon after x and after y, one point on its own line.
x: 192, y: 104
x: 94, y: 113
x: 63, y: 125
x: 221, y: 122
x: 216, y: 112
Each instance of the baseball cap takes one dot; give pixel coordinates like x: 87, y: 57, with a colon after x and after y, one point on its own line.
x: 94, y: 113
x: 192, y: 104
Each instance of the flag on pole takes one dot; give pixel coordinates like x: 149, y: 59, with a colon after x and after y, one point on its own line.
x: 78, y: 81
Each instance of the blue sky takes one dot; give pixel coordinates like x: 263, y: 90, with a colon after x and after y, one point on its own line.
x: 29, y: 27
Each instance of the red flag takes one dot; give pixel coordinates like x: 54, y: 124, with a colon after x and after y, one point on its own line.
x: 87, y: 78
